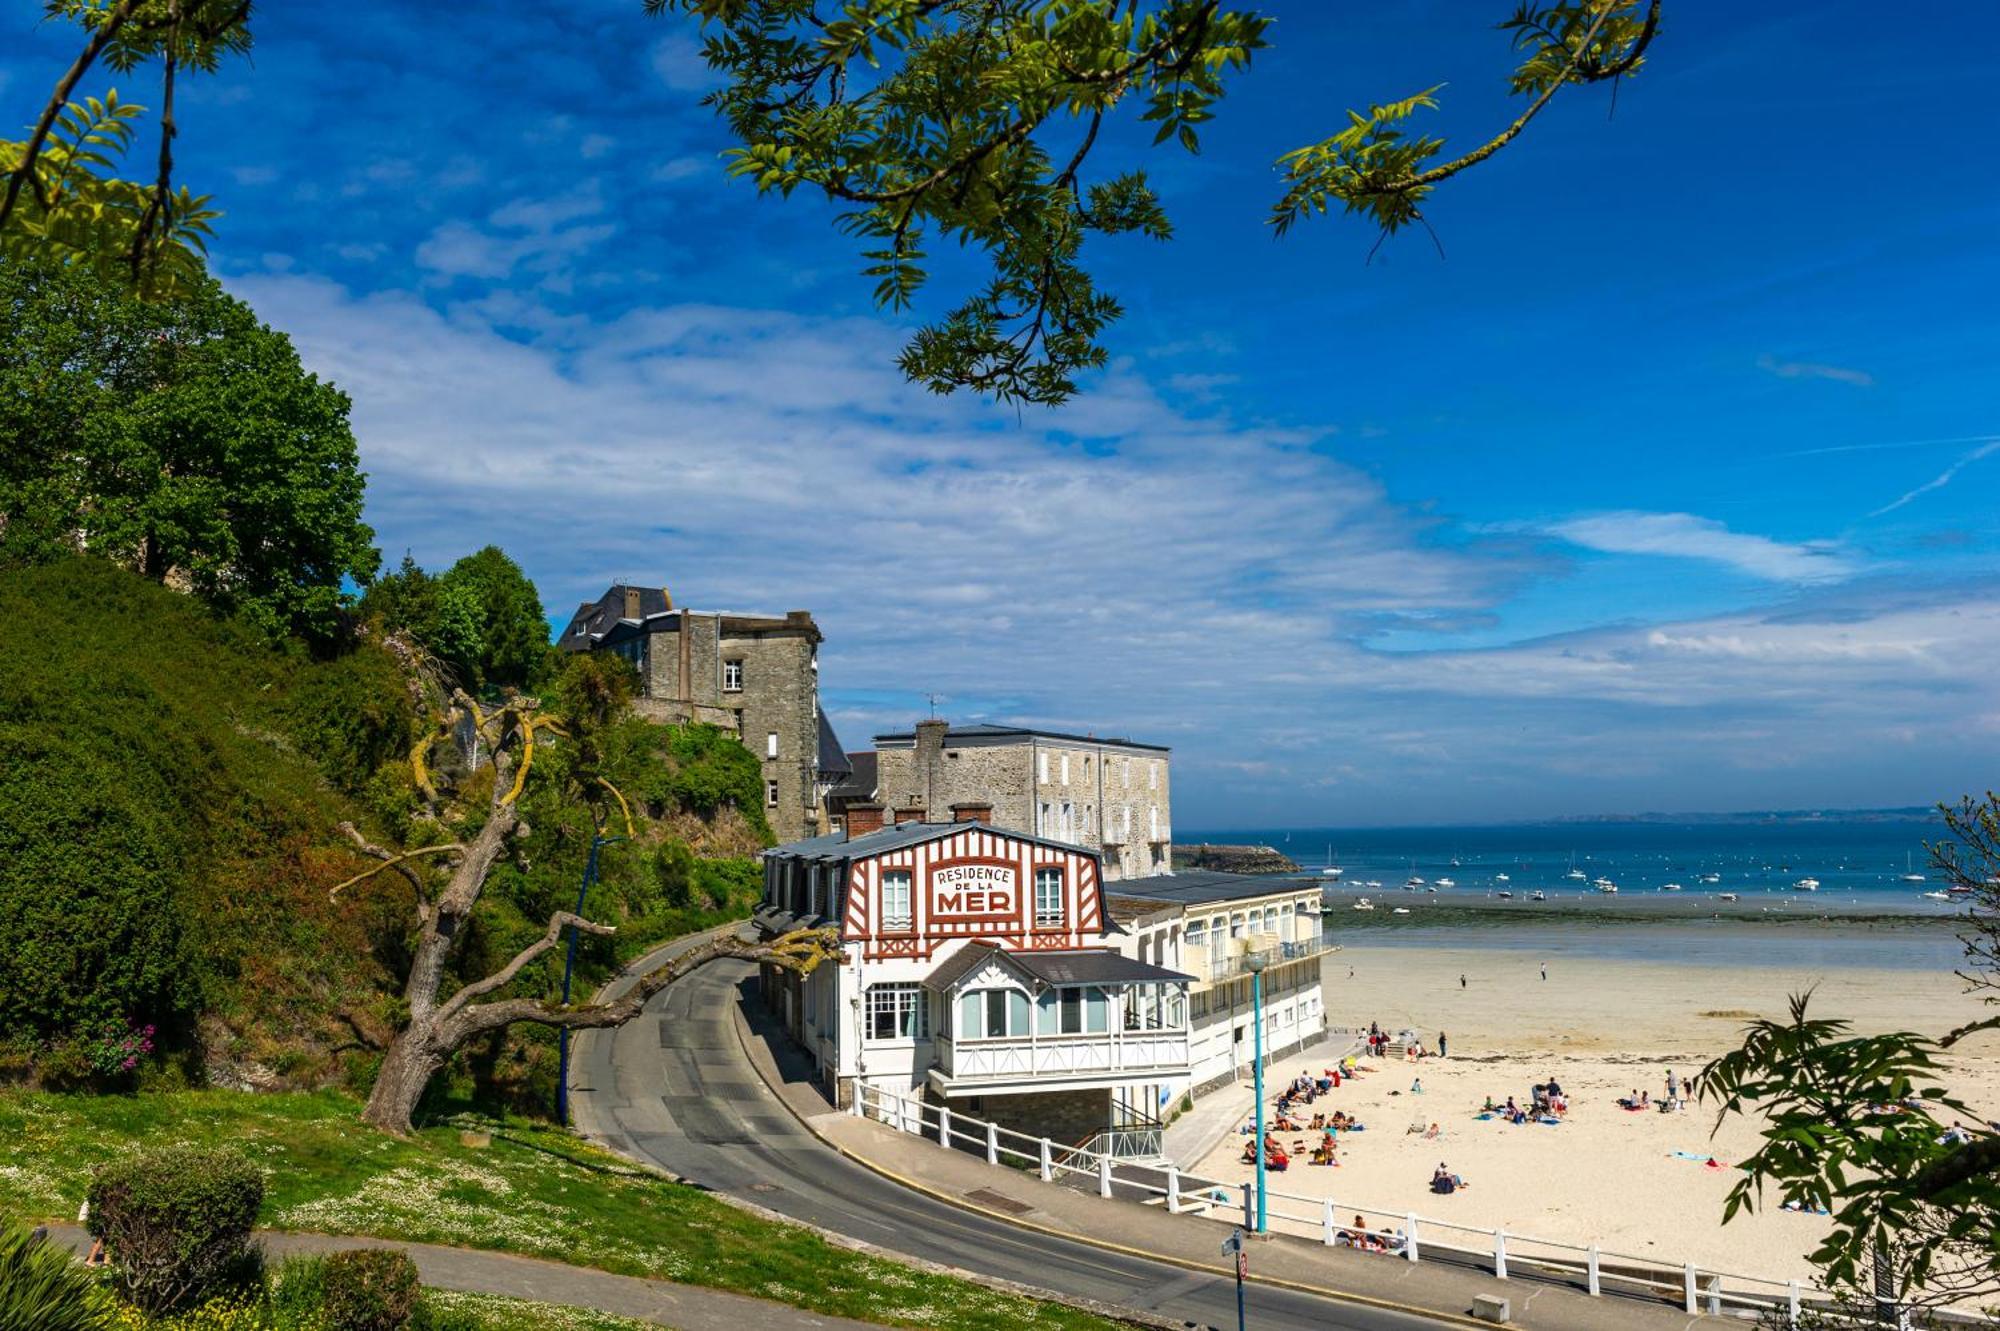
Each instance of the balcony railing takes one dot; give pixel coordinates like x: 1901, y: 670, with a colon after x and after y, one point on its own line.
x: 1058, y: 1058
x: 1230, y: 959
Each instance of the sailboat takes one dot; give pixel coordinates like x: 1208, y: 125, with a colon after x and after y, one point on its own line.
x: 1331, y: 870
x: 1575, y: 872
x: 1909, y: 875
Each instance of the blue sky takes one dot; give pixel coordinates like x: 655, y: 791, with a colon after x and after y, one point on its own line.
x: 1670, y: 486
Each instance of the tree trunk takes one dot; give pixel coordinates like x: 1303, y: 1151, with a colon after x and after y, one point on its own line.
x: 406, y: 1070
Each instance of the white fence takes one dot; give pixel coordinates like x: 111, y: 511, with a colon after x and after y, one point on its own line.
x: 1402, y: 1235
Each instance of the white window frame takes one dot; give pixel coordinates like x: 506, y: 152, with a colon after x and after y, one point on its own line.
x: 1047, y: 915
x: 902, y: 1006
x: 771, y: 792
x: 1153, y: 775
x: 771, y: 744
x: 1042, y: 772
x: 892, y: 917
x: 732, y: 675
x: 1065, y: 769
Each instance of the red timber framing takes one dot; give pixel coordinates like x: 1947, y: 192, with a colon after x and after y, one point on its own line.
x: 978, y: 883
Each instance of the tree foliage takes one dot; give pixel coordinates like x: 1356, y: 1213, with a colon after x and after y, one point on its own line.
x: 166, y: 778
x: 481, y: 619
x: 1865, y: 1127
x: 974, y: 122
x: 44, y: 1288
x: 61, y: 197
x: 180, y: 438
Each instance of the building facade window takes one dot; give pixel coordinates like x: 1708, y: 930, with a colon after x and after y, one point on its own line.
x: 1197, y: 933
x: 1048, y: 898
x: 771, y: 794
x: 732, y: 676
x: 1153, y: 775
x: 1085, y: 1011
x: 1065, y: 769
x: 1042, y: 767
x: 898, y: 1012
x: 896, y: 899
x: 993, y: 1014
x: 771, y: 745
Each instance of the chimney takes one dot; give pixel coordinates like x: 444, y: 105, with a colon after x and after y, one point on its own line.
x: 863, y: 819
x: 929, y: 759
x: 910, y: 813
x: 631, y: 602
x: 972, y: 813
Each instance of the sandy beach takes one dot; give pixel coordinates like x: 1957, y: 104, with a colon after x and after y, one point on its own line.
x: 1602, y: 1028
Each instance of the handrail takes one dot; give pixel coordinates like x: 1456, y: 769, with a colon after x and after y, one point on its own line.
x: 1404, y: 1234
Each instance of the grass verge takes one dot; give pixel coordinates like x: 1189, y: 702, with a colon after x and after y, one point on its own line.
x: 533, y: 1190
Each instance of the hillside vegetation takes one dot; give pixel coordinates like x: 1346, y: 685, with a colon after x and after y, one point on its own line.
x: 173, y: 787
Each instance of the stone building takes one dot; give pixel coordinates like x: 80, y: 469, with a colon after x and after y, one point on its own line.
x: 1107, y: 795
x: 756, y: 676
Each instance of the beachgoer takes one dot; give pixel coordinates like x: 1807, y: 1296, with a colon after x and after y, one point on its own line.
x: 1417, y: 1086
x: 1545, y: 971
x: 95, y: 1257
x: 1440, y: 1044
x: 1461, y: 979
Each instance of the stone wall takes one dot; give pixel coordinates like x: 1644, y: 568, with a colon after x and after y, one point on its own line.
x: 1064, y: 1117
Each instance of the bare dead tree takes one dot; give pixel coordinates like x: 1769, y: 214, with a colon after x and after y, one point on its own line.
x: 438, y: 1023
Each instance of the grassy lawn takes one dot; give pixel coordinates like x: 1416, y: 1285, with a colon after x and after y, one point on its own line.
x: 534, y: 1190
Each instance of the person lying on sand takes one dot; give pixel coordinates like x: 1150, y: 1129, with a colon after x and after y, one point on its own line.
x: 1432, y: 1133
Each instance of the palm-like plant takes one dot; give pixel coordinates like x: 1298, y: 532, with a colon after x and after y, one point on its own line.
x: 43, y: 1288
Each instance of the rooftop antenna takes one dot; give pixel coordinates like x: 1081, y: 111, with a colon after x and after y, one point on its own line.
x: 934, y: 699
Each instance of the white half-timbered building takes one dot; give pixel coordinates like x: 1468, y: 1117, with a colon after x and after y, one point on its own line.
x: 982, y: 970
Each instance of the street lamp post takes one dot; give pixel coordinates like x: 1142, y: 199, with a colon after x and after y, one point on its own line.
x: 597, y: 843
x: 1255, y: 963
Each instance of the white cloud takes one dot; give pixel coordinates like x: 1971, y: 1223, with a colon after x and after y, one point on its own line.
x: 595, y: 145
x: 1686, y: 536
x: 1188, y: 578
x: 535, y: 233
x: 681, y: 168
x: 1805, y: 369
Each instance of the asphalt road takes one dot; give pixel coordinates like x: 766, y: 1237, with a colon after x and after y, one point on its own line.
x: 675, y: 1087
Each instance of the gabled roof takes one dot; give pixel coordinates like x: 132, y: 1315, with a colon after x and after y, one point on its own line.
x: 984, y: 734
x: 594, y: 619
x: 1070, y: 967
x: 860, y: 782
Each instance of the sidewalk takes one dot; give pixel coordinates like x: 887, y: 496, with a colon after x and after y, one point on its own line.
x: 1439, y: 1289
x: 468, y: 1271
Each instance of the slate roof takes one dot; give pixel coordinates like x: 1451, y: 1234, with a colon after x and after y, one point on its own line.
x: 974, y: 735
x: 836, y: 846
x: 860, y: 783
x: 1194, y: 887
x: 1071, y: 967
x: 833, y: 761
x: 594, y: 619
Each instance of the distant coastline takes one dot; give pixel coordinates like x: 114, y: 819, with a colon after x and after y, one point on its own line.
x: 1922, y: 813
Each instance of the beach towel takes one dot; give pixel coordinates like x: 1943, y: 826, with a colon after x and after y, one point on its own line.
x: 1549, y: 1120
x: 1481, y: 1118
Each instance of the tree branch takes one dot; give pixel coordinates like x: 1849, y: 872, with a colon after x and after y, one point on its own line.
x: 156, y: 206
x: 389, y: 861
x: 24, y: 170
x: 802, y: 950
x: 1979, y: 1156
x: 501, y: 978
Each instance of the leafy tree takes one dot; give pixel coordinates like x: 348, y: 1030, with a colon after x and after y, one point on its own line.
x: 180, y: 438
x: 59, y: 197
x: 974, y: 121
x: 481, y: 618
x: 1856, y: 1125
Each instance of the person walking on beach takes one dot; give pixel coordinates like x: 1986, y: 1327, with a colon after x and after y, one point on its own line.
x: 1545, y: 972
x: 1461, y: 979
x: 1441, y: 1044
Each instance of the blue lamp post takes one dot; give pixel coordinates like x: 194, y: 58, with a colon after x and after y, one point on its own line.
x: 597, y: 842
x: 1255, y: 963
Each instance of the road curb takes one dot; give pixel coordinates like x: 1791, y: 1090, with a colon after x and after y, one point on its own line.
x: 742, y: 1027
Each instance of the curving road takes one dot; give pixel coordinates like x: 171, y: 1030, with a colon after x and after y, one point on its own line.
x: 675, y: 1087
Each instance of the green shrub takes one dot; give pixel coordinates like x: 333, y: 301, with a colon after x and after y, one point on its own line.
x: 176, y: 1223
x: 43, y: 1288
x: 298, y: 1292
x: 369, y: 1289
